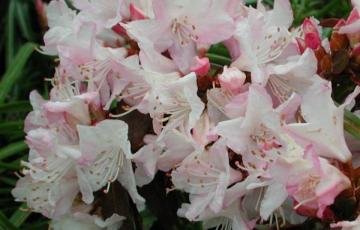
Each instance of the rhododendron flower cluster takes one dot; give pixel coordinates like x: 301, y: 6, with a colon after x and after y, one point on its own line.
x: 259, y: 140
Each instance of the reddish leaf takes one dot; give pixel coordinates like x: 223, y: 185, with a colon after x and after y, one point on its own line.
x: 329, y: 22
x: 338, y: 42
x: 340, y: 60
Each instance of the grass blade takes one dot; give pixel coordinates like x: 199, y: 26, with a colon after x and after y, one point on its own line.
x: 23, y: 19
x: 11, y: 126
x: 10, y: 34
x: 12, y: 149
x: 8, y: 181
x: 5, y: 224
x: 14, y: 165
x: 352, y: 124
x: 13, y: 73
x: 20, y: 216
x: 16, y: 106
x: 9, y: 166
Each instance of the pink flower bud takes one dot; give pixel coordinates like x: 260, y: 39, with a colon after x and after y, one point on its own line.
x: 232, y: 79
x: 200, y: 66
x: 40, y: 8
x: 311, y: 34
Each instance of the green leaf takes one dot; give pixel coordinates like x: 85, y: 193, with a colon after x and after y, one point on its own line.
x: 10, y: 166
x: 148, y: 219
x: 8, y: 181
x: 16, y: 106
x: 250, y: 2
x: 23, y: 19
x: 12, y: 149
x: 10, y: 34
x: 5, y: 190
x: 13, y: 73
x: 5, y: 224
x: 219, y: 49
x: 20, y: 216
x: 352, y: 124
x: 218, y: 59
x: 13, y: 165
x: 11, y: 126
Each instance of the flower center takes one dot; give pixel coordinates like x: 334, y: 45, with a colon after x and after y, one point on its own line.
x: 184, y: 30
x: 306, y: 192
x: 280, y: 88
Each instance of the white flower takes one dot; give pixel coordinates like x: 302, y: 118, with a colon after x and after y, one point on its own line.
x: 106, y: 157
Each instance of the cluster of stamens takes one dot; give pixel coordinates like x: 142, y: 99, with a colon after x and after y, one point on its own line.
x: 184, y: 30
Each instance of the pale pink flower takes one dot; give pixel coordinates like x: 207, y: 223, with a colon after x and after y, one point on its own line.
x: 232, y: 213
x: 161, y: 154
x: 50, y: 199
x: 35, y: 119
x: 140, y: 86
x: 179, y: 105
x: 106, y: 154
x: 145, y: 6
x: 105, y: 14
x: 295, y: 74
x: 82, y: 221
x: 151, y: 60
x: 324, y: 122
x: 113, y: 80
x: 179, y: 26
x: 261, y: 38
x: 255, y: 133
x: 60, y: 20
x: 206, y: 176
x: 314, y: 184
x: 347, y: 225
x: 203, y: 132
x: 232, y: 79
x: 352, y: 25
x: 224, y: 104
x: 217, y: 100
x: 52, y: 156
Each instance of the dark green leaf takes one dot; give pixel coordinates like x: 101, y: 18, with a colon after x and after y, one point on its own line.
x: 219, y: 49
x: 10, y: 34
x: 8, y: 181
x: 16, y: 106
x: 12, y: 149
x: 10, y: 166
x: 23, y: 19
x: 13, y: 73
x: 11, y: 126
x: 218, y: 59
x: 20, y: 216
x: 5, y: 224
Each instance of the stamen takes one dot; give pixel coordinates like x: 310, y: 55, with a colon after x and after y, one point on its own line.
x: 184, y: 30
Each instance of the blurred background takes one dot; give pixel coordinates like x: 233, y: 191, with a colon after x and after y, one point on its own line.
x: 23, y: 69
